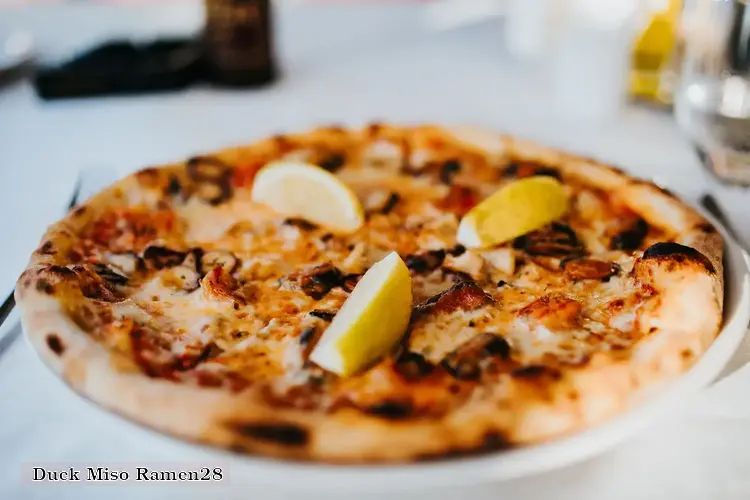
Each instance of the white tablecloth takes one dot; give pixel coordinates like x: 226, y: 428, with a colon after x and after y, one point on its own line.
x: 341, y: 65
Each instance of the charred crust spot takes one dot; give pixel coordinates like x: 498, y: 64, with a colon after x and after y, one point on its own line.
x: 55, y: 344
x: 426, y: 261
x: 282, y: 142
x: 413, y: 366
x: 631, y: 237
x: 532, y: 372
x: 47, y: 248
x: 666, y: 191
x: 501, y: 283
x: 326, y: 237
x: 332, y: 162
x: 79, y: 211
x: 491, y: 441
x: 45, y: 286
x: 300, y: 223
x: 174, y: 187
x: 391, y: 410
x: 706, y: 228
x: 448, y: 170
x: 677, y: 253
x: 284, y: 434
x: 374, y: 129
x: 466, y: 361
x: 494, y: 440
x: 61, y: 271
x: 324, y: 315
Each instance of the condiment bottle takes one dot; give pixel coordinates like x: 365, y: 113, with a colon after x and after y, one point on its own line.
x: 238, y: 42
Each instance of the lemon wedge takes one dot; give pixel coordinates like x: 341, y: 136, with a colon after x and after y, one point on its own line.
x: 299, y: 189
x: 371, y: 321
x: 515, y: 209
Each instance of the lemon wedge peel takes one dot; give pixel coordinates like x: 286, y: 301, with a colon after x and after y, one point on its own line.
x: 299, y: 189
x: 515, y: 209
x: 371, y: 322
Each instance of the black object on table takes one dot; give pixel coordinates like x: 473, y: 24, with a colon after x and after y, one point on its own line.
x: 122, y: 67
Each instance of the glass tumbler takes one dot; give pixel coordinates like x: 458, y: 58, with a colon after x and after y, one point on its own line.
x: 712, y: 101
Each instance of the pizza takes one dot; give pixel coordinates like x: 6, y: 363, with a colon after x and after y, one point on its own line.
x: 174, y: 299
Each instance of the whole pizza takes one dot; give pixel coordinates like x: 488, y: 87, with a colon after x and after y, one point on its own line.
x: 379, y: 294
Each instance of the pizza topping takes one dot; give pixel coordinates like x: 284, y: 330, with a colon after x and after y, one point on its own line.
x: 126, y: 263
x: 589, y: 269
x: 555, y: 240
x: 501, y: 259
x: 183, y: 277
x: 332, y: 161
x: 93, y: 286
x: 158, y: 257
x: 467, y: 264
x: 426, y: 261
x: 555, y: 311
x: 631, y: 237
x: 460, y: 200
x: 468, y: 360
x: 514, y: 210
x: 324, y: 315
x: 109, y: 274
x: 207, y: 168
x: 413, y: 366
x: 382, y: 202
x: 300, y: 223
x: 465, y: 295
x: 448, y: 170
x: 212, y: 179
x: 219, y: 258
x: 219, y: 284
x: 319, y: 280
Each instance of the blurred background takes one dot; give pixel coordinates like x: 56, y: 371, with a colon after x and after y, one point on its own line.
x: 91, y: 90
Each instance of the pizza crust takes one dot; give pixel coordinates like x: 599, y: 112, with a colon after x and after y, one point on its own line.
x: 546, y: 404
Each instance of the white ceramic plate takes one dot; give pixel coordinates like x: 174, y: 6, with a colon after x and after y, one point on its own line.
x: 253, y: 472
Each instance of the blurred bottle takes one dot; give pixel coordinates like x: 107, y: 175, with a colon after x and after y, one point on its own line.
x: 238, y: 42
x: 591, y: 59
x: 656, y: 55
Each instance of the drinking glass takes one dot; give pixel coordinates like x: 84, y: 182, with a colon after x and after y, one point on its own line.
x: 712, y: 101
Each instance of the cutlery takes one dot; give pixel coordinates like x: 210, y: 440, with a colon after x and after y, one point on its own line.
x: 87, y: 183
x: 712, y: 206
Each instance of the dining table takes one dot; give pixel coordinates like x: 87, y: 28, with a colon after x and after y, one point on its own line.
x: 340, y: 63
